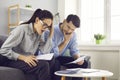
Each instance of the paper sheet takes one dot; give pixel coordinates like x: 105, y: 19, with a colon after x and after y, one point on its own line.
x: 79, y: 70
x: 89, y: 70
x: 77, y: 60
x: 45, y: 56
x: 68, y: 71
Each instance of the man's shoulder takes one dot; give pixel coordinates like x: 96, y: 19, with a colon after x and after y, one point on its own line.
x: 56, y: 27
x: 74, y: 34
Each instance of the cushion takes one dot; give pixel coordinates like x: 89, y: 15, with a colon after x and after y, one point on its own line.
x: 7, y: 73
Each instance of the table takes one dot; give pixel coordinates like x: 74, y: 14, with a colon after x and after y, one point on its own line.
x: 85, y: 73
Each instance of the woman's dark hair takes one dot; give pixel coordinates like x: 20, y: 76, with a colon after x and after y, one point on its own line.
x: 75, y: 20
x: 41, y: 14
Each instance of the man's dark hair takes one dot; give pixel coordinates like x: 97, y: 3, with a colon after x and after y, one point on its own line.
x: 75, y: 20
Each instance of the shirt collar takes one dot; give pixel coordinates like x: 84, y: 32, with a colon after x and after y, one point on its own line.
x: 30, y: 31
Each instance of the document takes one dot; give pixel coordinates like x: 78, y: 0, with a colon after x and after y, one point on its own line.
x: 82, y: 70
x: 45, y: 56
x: 89, y: 70
x: 67, y: 71
x: 77, y: 60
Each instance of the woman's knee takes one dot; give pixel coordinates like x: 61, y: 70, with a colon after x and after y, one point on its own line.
x: 43, y: 63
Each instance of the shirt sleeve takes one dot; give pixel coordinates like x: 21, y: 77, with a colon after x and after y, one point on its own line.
x: 74, y: 46
x: 12, y: 41
x: 55, y: 49
x: 46, y: 48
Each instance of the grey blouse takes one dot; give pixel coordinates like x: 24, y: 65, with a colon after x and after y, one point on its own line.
x: 23, y: 40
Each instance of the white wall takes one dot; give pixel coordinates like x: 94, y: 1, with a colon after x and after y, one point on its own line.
x: 105, y: 60
x: 106, y: 57
x: 50, y: 5
x: 61, y: 9
x: 66, y: 7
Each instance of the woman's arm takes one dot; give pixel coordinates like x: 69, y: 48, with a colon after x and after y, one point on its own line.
x: 46, y: 48
x: 12, y: 41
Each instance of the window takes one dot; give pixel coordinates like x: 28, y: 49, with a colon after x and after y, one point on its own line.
x: 70, y: 7
x: 97, y: 16
x: 92, y: 19
x: 115, y: 19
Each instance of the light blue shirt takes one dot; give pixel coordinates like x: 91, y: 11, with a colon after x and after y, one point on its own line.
x: 58, y: 38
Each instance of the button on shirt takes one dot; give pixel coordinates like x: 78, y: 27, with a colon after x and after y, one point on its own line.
x: 27, y: 42
x: 58, y: 38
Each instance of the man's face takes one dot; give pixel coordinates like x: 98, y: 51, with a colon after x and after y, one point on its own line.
x: 68, y: 28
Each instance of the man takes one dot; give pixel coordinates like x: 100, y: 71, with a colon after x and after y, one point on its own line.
x: 65, y: 39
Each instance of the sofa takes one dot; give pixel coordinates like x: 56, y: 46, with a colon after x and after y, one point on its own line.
x: 7, y: 73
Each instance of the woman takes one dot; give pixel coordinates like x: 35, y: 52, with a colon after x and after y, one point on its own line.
x: 29, y: 38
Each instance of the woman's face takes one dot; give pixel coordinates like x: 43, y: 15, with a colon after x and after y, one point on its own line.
x: 41, y: 25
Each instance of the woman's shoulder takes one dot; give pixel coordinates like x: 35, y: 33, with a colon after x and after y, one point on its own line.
x: 24, y: 27
x: 20, y: 28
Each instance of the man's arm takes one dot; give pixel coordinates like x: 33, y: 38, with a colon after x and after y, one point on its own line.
x: 46, y: 48
x: 62, y: 46
x: 67, y: 38
x: 76, y: 56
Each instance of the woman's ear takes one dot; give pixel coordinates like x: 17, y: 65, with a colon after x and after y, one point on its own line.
x: 36, y: 20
